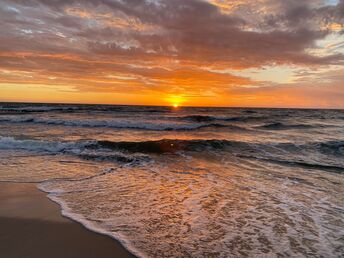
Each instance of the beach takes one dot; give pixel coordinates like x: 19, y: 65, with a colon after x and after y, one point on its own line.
x: 32, y: 226
x: 171, y: 129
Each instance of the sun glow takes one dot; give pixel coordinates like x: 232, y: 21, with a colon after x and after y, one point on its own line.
x: 137, y: 59
x: 175, y: 101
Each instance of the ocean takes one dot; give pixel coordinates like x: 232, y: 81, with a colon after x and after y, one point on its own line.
x: 187, y: 182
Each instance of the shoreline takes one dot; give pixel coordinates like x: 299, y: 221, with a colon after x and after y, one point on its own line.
x: 32, y: 226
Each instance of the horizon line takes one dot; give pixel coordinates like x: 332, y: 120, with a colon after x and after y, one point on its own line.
x: 171, y: 106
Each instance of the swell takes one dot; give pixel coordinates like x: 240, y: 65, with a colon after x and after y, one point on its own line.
x: 283, y: 126
x: 80, y: 108
x: 205, y: 118
x: 37, y: 109
x: 119, y: 124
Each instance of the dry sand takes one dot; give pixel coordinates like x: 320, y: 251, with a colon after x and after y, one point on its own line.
x: 31, y: 227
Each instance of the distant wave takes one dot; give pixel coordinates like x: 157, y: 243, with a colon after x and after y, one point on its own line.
x: 75, y: 108
x: 31, y: 109
x: 246, y: 118
x: 144, y: 125
x: 204, y: 118
x: 282, y: 126
x: 198, y: 118
x: 250, y: 111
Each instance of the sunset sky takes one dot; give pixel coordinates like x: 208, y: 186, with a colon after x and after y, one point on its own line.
x: 271, y: 53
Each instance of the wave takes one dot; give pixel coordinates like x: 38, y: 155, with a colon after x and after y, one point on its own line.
x: 115, y: 157
x: 37, y: 109
x: 162, y: 146
x: 135, y: 153
x: 78, y: 147
x: 218, y: 125
x: 144, y: 125
x: 169, y: 146
x: 331, y: 147
x: 21, y: 108
x: 205, y: 118
x: 245, y: 118
x: 282, y: 126
x: 325, y: 167
x: 173, y: 145
x: 297, y: 163
x: 82, y: 149
x: 36, y: 145
x: 199, y: 118
x: 68, y: 212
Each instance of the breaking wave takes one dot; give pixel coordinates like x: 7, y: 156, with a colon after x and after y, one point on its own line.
x: 168, y: 146
x: 137, y: 152
x: 164, y: 145
x: 82, y: 149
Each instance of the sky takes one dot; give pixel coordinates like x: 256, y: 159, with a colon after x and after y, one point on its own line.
x: 252, y: 53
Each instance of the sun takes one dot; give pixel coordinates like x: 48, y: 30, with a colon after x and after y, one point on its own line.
x: 175, y: 101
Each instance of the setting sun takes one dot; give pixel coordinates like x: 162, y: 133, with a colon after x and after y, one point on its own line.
x: 176, y: 101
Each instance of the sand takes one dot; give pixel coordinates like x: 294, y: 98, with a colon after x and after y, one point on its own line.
x: 31, y: 226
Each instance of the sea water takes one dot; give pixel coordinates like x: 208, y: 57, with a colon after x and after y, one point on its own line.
x: 187, y: 182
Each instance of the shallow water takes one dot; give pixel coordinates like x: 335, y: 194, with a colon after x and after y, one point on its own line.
x: 200, y: 182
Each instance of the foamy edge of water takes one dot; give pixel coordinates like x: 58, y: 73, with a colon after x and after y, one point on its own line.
x: 68, y: 213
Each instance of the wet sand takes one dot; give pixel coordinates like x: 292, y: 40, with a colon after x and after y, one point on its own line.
x: 32, y: 227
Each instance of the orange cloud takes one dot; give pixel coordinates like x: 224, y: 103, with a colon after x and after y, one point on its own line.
x: 155, y: 52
